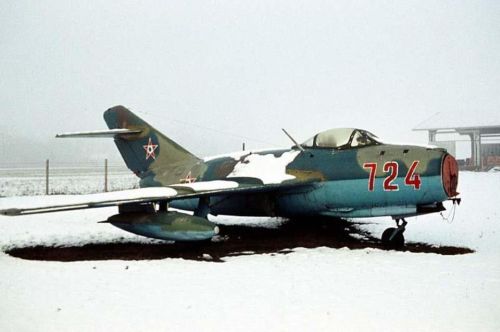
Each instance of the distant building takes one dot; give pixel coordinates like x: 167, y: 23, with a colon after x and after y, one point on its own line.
x: 482, y: 132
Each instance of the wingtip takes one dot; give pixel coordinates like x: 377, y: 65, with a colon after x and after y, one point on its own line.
x: 10, y: 212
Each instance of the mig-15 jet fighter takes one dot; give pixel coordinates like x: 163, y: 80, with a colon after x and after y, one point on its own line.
x: 345, y: 172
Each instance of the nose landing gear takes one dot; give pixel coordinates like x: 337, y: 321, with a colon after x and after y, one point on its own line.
x: 393, y: 237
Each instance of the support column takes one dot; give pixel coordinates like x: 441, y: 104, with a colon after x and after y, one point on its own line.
x: 475, y: 138
x: 432, y: 136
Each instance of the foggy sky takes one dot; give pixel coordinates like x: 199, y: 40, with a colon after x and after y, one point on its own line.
x: 212, y: 74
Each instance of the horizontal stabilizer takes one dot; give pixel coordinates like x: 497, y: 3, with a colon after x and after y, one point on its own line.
x: 100, y: 133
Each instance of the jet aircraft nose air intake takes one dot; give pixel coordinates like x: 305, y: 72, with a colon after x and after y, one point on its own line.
x: 450, y: 175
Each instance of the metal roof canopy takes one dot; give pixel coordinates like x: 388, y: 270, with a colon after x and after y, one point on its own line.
x: 475, y: 128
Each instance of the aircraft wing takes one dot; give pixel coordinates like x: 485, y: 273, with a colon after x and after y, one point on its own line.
x: 94, y: 201
x: 144, y: 195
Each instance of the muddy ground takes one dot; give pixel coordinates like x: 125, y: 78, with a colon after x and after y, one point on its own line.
x: 234, y: 240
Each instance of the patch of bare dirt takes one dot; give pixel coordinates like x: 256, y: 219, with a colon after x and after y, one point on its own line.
x: 234, y: 241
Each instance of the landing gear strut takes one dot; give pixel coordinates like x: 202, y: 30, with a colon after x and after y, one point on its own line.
x: 393, y: 237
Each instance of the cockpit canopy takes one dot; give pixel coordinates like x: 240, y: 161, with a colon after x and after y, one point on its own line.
x: 341, y: 138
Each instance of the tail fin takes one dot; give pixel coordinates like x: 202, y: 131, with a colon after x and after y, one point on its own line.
x: 148, y: 149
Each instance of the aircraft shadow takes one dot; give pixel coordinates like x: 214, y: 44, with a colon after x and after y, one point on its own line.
x: 235, y: 240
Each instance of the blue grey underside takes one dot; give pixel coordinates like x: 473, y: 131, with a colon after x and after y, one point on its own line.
x: 345, y: 198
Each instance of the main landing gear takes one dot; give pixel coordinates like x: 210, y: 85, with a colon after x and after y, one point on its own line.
x: 393, y: 237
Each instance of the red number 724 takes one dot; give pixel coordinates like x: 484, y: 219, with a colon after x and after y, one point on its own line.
x: 392, y: 167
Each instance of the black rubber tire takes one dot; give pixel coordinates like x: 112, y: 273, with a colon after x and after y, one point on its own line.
x: 397, y: 242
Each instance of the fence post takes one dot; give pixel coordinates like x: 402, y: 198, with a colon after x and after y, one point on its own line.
x: 47, y: 177
x: 106, y: 175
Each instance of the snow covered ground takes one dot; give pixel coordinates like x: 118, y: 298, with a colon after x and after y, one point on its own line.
x: 319, y: 289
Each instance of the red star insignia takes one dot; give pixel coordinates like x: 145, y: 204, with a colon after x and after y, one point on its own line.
x: 150, y: 149
x: 188, y: 179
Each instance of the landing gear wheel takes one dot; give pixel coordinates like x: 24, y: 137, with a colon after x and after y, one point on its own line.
x: 393, y: 238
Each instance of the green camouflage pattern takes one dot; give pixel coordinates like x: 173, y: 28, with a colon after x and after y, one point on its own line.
x: 317, y: 181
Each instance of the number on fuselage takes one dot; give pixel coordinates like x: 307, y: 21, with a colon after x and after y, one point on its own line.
x: 391, y: 170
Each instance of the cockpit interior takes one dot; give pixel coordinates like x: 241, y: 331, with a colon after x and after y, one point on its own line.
x: 342, y: 138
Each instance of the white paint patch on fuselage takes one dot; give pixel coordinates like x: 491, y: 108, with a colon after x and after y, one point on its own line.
x: 267, y: 167
x: 237, y: 154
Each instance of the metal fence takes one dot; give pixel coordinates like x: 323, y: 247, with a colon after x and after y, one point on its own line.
x: 54, y: 177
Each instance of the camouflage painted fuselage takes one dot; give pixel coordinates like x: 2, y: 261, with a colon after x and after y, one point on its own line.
x: 360, y: 177
x: 336, y: 182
